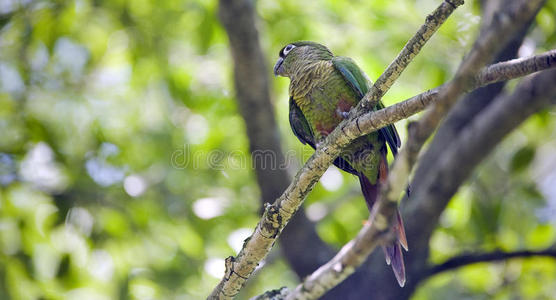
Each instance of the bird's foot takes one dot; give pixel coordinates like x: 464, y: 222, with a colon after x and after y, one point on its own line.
x: 320, y: 142
x: 342, y: 114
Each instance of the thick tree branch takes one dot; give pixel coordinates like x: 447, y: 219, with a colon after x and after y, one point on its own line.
x: 252, y: 89
x: 376, y: 230
x: 473, y: 258
x: 277, y: 215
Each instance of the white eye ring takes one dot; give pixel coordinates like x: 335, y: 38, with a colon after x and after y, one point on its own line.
x: 288, y: 48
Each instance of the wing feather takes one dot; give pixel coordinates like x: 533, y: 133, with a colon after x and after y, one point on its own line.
x: 360, y: 84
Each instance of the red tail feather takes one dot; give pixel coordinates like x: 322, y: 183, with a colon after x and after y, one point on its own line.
x: 394, y: 257
x: 393, y: 252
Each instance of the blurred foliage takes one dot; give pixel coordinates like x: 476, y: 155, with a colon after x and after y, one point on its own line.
x: 124, y: 165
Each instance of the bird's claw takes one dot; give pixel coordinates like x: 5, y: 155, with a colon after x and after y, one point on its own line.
x: 342, y: 114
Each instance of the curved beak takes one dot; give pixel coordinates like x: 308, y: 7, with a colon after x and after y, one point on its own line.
x: 278, y: 67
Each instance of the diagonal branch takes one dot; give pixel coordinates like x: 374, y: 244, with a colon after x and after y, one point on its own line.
x: 409, y: 51
x: 494, y: 73
x: 473, y: 258
x: 277, y: 215
x: 377, y: 229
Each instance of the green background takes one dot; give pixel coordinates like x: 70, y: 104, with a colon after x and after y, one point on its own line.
x: 124, y: 164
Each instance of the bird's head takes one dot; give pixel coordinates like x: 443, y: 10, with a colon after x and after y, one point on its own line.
x: 293, y: 56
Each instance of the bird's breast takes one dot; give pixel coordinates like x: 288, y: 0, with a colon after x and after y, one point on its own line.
x: 324, y: 98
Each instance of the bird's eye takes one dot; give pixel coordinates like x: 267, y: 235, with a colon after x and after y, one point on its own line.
x: 287, y: 49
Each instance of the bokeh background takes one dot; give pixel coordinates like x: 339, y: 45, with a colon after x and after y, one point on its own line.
x: 125, y: 170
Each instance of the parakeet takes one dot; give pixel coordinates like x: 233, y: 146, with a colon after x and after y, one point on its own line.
x: 323, y: 88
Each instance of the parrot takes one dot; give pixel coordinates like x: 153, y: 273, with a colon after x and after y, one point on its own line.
x: 323, y: 88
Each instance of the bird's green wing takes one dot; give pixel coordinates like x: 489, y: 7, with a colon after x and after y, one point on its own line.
x: 303, y: 132
x: 352, y: 74
x: 359, y: 82
x: 300, y: 126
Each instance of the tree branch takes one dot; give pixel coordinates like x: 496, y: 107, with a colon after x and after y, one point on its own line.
x: 377, y: 229
x: 473, y: 258
x: 409, y: 51
x: 494, y: 73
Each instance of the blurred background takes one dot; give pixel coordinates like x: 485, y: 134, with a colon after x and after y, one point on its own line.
x: 125, y: 170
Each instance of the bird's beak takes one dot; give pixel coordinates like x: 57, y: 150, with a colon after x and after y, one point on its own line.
x: 278, y: 67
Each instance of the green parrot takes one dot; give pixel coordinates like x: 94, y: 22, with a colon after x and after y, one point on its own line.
x: 323, y: 89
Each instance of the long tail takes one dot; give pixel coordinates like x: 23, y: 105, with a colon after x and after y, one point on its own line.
x: 393, y: 252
